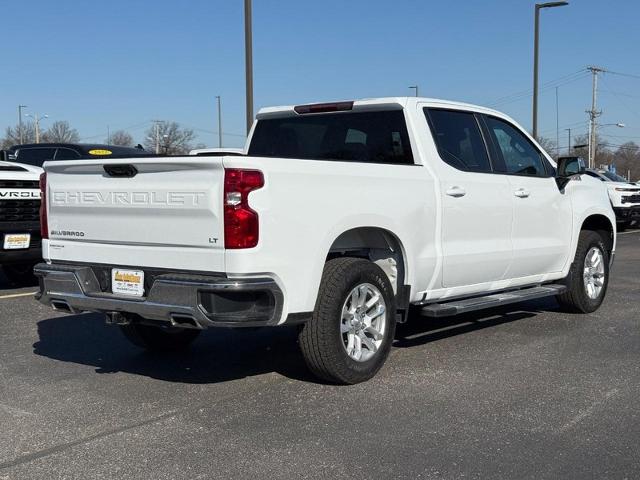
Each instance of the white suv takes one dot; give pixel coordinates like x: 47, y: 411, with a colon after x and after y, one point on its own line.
x: 624, y: 196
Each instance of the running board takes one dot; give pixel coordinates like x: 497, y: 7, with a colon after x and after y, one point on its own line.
x: 456, y: 307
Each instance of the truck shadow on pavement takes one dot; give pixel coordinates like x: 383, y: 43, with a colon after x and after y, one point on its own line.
x: 420, y: 330
x: 220, y: 355
x: 217, y: 355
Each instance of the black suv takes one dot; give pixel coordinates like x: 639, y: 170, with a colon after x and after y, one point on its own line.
x: 38, y: 153
x: 20, y: 200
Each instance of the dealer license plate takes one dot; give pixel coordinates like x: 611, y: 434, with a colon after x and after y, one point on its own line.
x: 127, y: 282
x: 16, y: 241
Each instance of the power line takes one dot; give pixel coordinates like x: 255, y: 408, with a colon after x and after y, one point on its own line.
x: 558, y: 82
x: 529, y: 92
x: 630, y: 75
x: 622, y: 102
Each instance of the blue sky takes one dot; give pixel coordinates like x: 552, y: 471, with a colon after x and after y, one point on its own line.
x: 122, y: 63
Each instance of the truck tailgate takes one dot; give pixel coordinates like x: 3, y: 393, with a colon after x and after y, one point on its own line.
x: 159, y: 209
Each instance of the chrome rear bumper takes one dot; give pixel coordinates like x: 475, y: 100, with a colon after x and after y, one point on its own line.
x: 182, y: 299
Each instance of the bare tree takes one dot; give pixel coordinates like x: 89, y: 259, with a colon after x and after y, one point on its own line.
x: 120, y: 137
x: 602, y: 155
x: 61, y: 132
x: 12, y: 135
x: 173, y: 139
x: 549, y: 146
x: 627, y: 160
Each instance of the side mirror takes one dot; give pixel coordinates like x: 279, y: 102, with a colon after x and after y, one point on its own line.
x: 568, y: 166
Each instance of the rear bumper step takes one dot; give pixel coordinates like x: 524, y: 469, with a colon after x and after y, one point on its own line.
x: 183, y: 300
x: 456, y: 307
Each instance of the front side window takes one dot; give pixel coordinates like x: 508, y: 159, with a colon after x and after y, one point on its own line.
x: 458, y: 138
x: 519, y: 155
x: 370, y: 137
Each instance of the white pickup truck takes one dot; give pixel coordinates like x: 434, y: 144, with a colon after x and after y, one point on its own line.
x: 339, y: 217
x: 19, y: 220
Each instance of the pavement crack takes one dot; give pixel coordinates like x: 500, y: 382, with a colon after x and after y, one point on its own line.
x: 81, y: 441
x: 587, y: 411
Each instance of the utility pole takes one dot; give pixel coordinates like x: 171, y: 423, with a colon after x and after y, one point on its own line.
x: 20, y: 132
x: 108, y: 135
x: 157, y: 132
x: 415, y: 87
x: 36, y: 121
x: 568, y: 144
x: 219, y: 121
x: 536, y: 41
x: 248, y: 62
x: 557, y: 126
x: 593, y: 114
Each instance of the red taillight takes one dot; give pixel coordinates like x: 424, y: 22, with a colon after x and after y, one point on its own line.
x: 44, y: 221
x: 241, y: 224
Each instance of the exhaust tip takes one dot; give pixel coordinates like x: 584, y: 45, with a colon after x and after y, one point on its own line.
x: 61, y: 306
x: 185, y: 321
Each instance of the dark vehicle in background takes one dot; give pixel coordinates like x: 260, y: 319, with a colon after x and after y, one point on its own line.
x: 37, y: 153
x: 20, y: 169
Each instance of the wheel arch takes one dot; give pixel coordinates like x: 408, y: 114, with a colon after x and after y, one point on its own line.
x: 383, y: 248
x: 601, y: 224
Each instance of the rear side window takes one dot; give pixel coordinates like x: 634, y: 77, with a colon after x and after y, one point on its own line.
x: 518, y: 153
x: 369, y: 137
x: 458, y: 138
x: 66, y: 154
x: 35, y: 156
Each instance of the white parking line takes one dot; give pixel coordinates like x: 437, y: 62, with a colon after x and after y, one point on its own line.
x: 16, y: 295
x: 629, y: 232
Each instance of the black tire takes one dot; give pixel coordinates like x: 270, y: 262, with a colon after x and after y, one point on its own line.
x: 576, y: 299
x: 321, y: 340
x: 159, y: 339
x: 20, y: 274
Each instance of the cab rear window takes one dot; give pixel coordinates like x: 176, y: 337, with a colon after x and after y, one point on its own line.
x: 368, y: 137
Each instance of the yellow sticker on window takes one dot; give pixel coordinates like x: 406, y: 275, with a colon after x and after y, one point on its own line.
x: 99, y: 151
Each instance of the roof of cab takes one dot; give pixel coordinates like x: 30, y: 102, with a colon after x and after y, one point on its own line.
x: 378, y: 103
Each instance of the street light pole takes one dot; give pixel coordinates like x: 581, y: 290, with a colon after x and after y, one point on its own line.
x: 569, y: 144
x: 415, y: 87
x: 36, y: 121
x: 536, y: 39
x: 248, y: 62
x: 219, y: 121
x: 20, y: 132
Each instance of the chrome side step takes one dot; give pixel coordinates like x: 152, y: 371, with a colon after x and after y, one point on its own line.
x: 456, y: 307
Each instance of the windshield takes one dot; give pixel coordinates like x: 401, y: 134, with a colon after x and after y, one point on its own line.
x: 613, y: 177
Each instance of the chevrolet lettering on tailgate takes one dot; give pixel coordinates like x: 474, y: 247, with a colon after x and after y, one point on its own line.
x: 127, y: 198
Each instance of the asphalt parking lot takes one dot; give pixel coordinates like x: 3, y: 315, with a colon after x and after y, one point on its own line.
x: 519, y: 392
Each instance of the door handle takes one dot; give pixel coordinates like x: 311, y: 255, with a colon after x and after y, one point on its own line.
x: 522, y: 193
x: 456, y: 191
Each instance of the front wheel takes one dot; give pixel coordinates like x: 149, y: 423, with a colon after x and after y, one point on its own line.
x: 159, y: 338
x: 589, y: 275
x: 348, y: 338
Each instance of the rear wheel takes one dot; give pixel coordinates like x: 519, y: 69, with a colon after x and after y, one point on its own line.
x: 20, y: 273
x: 348, y: 338
x: 589, y: 275
x: 159, y: 338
